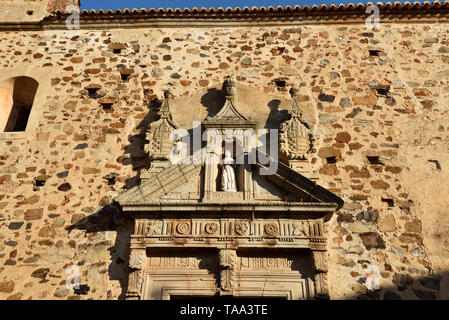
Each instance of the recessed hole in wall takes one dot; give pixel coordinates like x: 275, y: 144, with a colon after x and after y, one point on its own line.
x: 40, y: 183
x: 331, y: 160
x: 390, y: 202
x: 383, y: 91
x: 436, y: 163
x: 374, y: 53
x: 30, y: 12
x: 106, y: 106
x: 280, y: 83
x: 125, y: 76
x: 374, y: 160
x: 92, y: 91
x: 116, y: 51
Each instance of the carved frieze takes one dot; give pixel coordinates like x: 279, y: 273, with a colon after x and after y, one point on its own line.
x: 285, y: 228
x: 296, y: 137
x: 201, y: 261
x: 255, y: 263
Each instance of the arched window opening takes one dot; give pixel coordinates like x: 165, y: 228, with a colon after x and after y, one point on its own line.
x: 16, y: 100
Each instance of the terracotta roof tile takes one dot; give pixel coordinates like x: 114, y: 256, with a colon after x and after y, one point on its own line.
x: 426, y: 5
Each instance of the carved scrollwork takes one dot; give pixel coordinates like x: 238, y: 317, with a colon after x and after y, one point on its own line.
x: 271, y: 229
x: 137, y: 258
x: 320, y: 260
x: 228, y: 259
x: 241, y: 228
x: 211, y: 228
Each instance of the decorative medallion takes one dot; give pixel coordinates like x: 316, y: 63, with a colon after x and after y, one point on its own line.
x: 211, y: 228
x: 271, y: 229
x: 241, y: 228
x: 183, y: 228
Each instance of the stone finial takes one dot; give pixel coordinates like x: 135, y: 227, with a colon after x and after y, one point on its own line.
x: 164, y: 112
x: 168, y: 95
x: 230, y: 87
x: 294, y: 92
x: 296, y: 109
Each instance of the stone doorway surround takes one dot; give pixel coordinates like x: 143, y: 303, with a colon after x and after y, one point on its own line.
x: 268, y: 239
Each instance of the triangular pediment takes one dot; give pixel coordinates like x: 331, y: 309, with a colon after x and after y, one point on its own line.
x: 183, y: 184
x: 175, y: 179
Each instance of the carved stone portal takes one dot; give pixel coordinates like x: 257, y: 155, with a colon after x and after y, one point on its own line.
x: 262, y: 240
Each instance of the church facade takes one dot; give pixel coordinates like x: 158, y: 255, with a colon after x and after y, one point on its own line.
x: 288, y: 153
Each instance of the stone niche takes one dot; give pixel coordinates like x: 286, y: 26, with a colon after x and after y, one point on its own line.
x: 266, y: 238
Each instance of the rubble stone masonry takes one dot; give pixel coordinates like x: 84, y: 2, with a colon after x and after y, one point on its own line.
x: 380, y: 101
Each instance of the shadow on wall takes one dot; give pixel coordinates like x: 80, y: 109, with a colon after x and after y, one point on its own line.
x: 111, y: 218
x: 135, y: 152
x: 406, y: 288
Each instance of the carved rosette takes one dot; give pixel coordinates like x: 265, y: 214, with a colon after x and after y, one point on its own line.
x: 211, y: 228
x: 183, y: 228
x: 271, y: 229
x: 159, y: 134
x: 295, y: 135
x: 241, y: 228
x: 228, y: 259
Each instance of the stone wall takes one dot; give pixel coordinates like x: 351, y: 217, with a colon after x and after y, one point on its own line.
x: 381, y: 102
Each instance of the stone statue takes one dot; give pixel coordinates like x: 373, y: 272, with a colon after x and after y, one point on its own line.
x: 228, y: 175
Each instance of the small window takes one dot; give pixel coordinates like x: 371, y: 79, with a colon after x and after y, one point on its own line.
x: 16, y: 100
